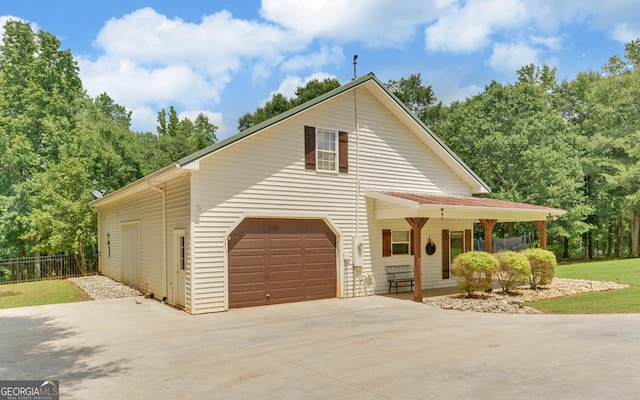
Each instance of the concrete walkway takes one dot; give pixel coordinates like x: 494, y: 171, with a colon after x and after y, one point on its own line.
x: 366, y: 348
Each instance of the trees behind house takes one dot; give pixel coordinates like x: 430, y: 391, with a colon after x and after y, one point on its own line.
x: 57, y: 144
x: 279, y: 103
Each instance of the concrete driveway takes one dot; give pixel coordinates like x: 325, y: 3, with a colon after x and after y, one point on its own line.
x: 364, y: 348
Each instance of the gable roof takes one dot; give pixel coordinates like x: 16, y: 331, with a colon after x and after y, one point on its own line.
x: 370, y: 77
x: 397, y: 107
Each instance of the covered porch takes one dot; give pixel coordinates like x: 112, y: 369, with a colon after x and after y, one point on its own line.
x: 417, y: 209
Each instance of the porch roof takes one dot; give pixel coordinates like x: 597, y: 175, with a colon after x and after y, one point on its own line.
x: 402, y: 204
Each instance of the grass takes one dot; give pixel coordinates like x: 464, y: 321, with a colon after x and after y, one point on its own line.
x: 39, y: 293
x: 610, y: 302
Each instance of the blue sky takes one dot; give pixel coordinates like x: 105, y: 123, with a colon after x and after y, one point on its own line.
x: 226, y: 58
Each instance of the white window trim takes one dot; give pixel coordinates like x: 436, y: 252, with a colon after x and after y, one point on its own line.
x: 336, y: 151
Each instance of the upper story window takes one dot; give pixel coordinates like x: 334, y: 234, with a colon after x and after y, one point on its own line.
x: 326, y: 150
x: 326, y: 156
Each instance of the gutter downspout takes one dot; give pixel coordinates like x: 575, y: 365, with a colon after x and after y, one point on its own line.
x: 162, y: 191
x: 97, y: 211
x: 357, y: 197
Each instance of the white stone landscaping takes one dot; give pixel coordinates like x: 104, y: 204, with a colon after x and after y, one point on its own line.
x: 514, y: 304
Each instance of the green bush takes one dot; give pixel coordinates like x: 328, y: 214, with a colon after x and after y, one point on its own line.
x: 474, y: 271
x: 543, y: 267
x: 513, y: 270
x: 5, y: 275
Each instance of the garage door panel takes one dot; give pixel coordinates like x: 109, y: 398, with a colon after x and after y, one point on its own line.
x: 286, y: 295
x: 320, y: 291
x: 319, y: 242
x: 320, y: 258
x: 249, y: 262
x: 294, y: 259
x: 246, y: 277
x: 246, y: 242
x: 284, y: 243
x: 276, y: 260
x: 246, y: 298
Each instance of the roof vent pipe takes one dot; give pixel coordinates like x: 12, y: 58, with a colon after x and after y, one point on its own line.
x: 355, y: 61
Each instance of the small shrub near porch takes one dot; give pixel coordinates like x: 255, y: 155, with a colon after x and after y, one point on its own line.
x: 543, y: 267
x: 474, y: 270
x: 513, y: 270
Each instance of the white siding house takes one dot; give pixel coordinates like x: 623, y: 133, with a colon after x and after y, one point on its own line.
x: 270, y: 215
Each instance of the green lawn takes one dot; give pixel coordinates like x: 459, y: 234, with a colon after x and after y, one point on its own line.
x: 610, y: 302
x: 38, y: 293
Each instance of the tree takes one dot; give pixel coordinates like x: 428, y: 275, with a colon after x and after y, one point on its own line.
x: 39, y: 94
x: 522, y: 147
x: 314, y: 88
x: 180, y: 137
x: 612, y: 124
x: 279, y: 102
x: 61, y: 220
x: 414, y: 95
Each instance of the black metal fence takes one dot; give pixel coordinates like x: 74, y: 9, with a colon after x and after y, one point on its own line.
x: 29, y: 269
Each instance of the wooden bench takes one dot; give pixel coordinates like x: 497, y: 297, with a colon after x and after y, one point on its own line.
x: 402, y: 274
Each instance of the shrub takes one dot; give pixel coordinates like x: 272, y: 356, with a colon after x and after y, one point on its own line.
x: 513, y: 270
x: 474, y: 271
x: 5, y: 275
x: 543, y: 267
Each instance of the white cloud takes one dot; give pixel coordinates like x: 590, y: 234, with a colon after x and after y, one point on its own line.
x: 143, y: 119
x: 624, y: 33
x: 326, y: 56
x: 551, y: 42
x: 373, y: 23
x: 510, y: 57
x: 616, y: 18
x: 150, y: 61
x: 468, y: 28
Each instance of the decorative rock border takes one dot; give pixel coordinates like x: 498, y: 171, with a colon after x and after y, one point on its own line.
x: 514, y: 304
x: 100, y: 287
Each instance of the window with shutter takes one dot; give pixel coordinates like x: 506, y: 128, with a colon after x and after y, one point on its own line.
x: 386, y: 243
x: 309, y: 147
x: 445, y: 254
x: 343, y: 158
x: 326, y: 150
x: 397, y: 242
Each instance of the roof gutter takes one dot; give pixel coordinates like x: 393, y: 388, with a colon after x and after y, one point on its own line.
x: 140, y: 184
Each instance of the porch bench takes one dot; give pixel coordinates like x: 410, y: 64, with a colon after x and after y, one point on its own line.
x: 402, y: 274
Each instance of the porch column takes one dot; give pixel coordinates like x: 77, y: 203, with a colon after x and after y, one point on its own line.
x: 417, y: 224
x: 487, y: 225
x: 542, y: 227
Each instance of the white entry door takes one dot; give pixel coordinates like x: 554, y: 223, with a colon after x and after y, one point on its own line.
x: 180, y: 265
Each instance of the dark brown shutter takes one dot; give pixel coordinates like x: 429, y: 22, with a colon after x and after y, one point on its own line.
x: 411, y: 238
x: 309, y: 147
x: 343, y: 156
x: 445, y: 254
x: 386, y: 243
x: 468, y: 242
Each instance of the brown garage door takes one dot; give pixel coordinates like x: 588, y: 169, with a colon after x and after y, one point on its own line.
x: 281, y: 261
